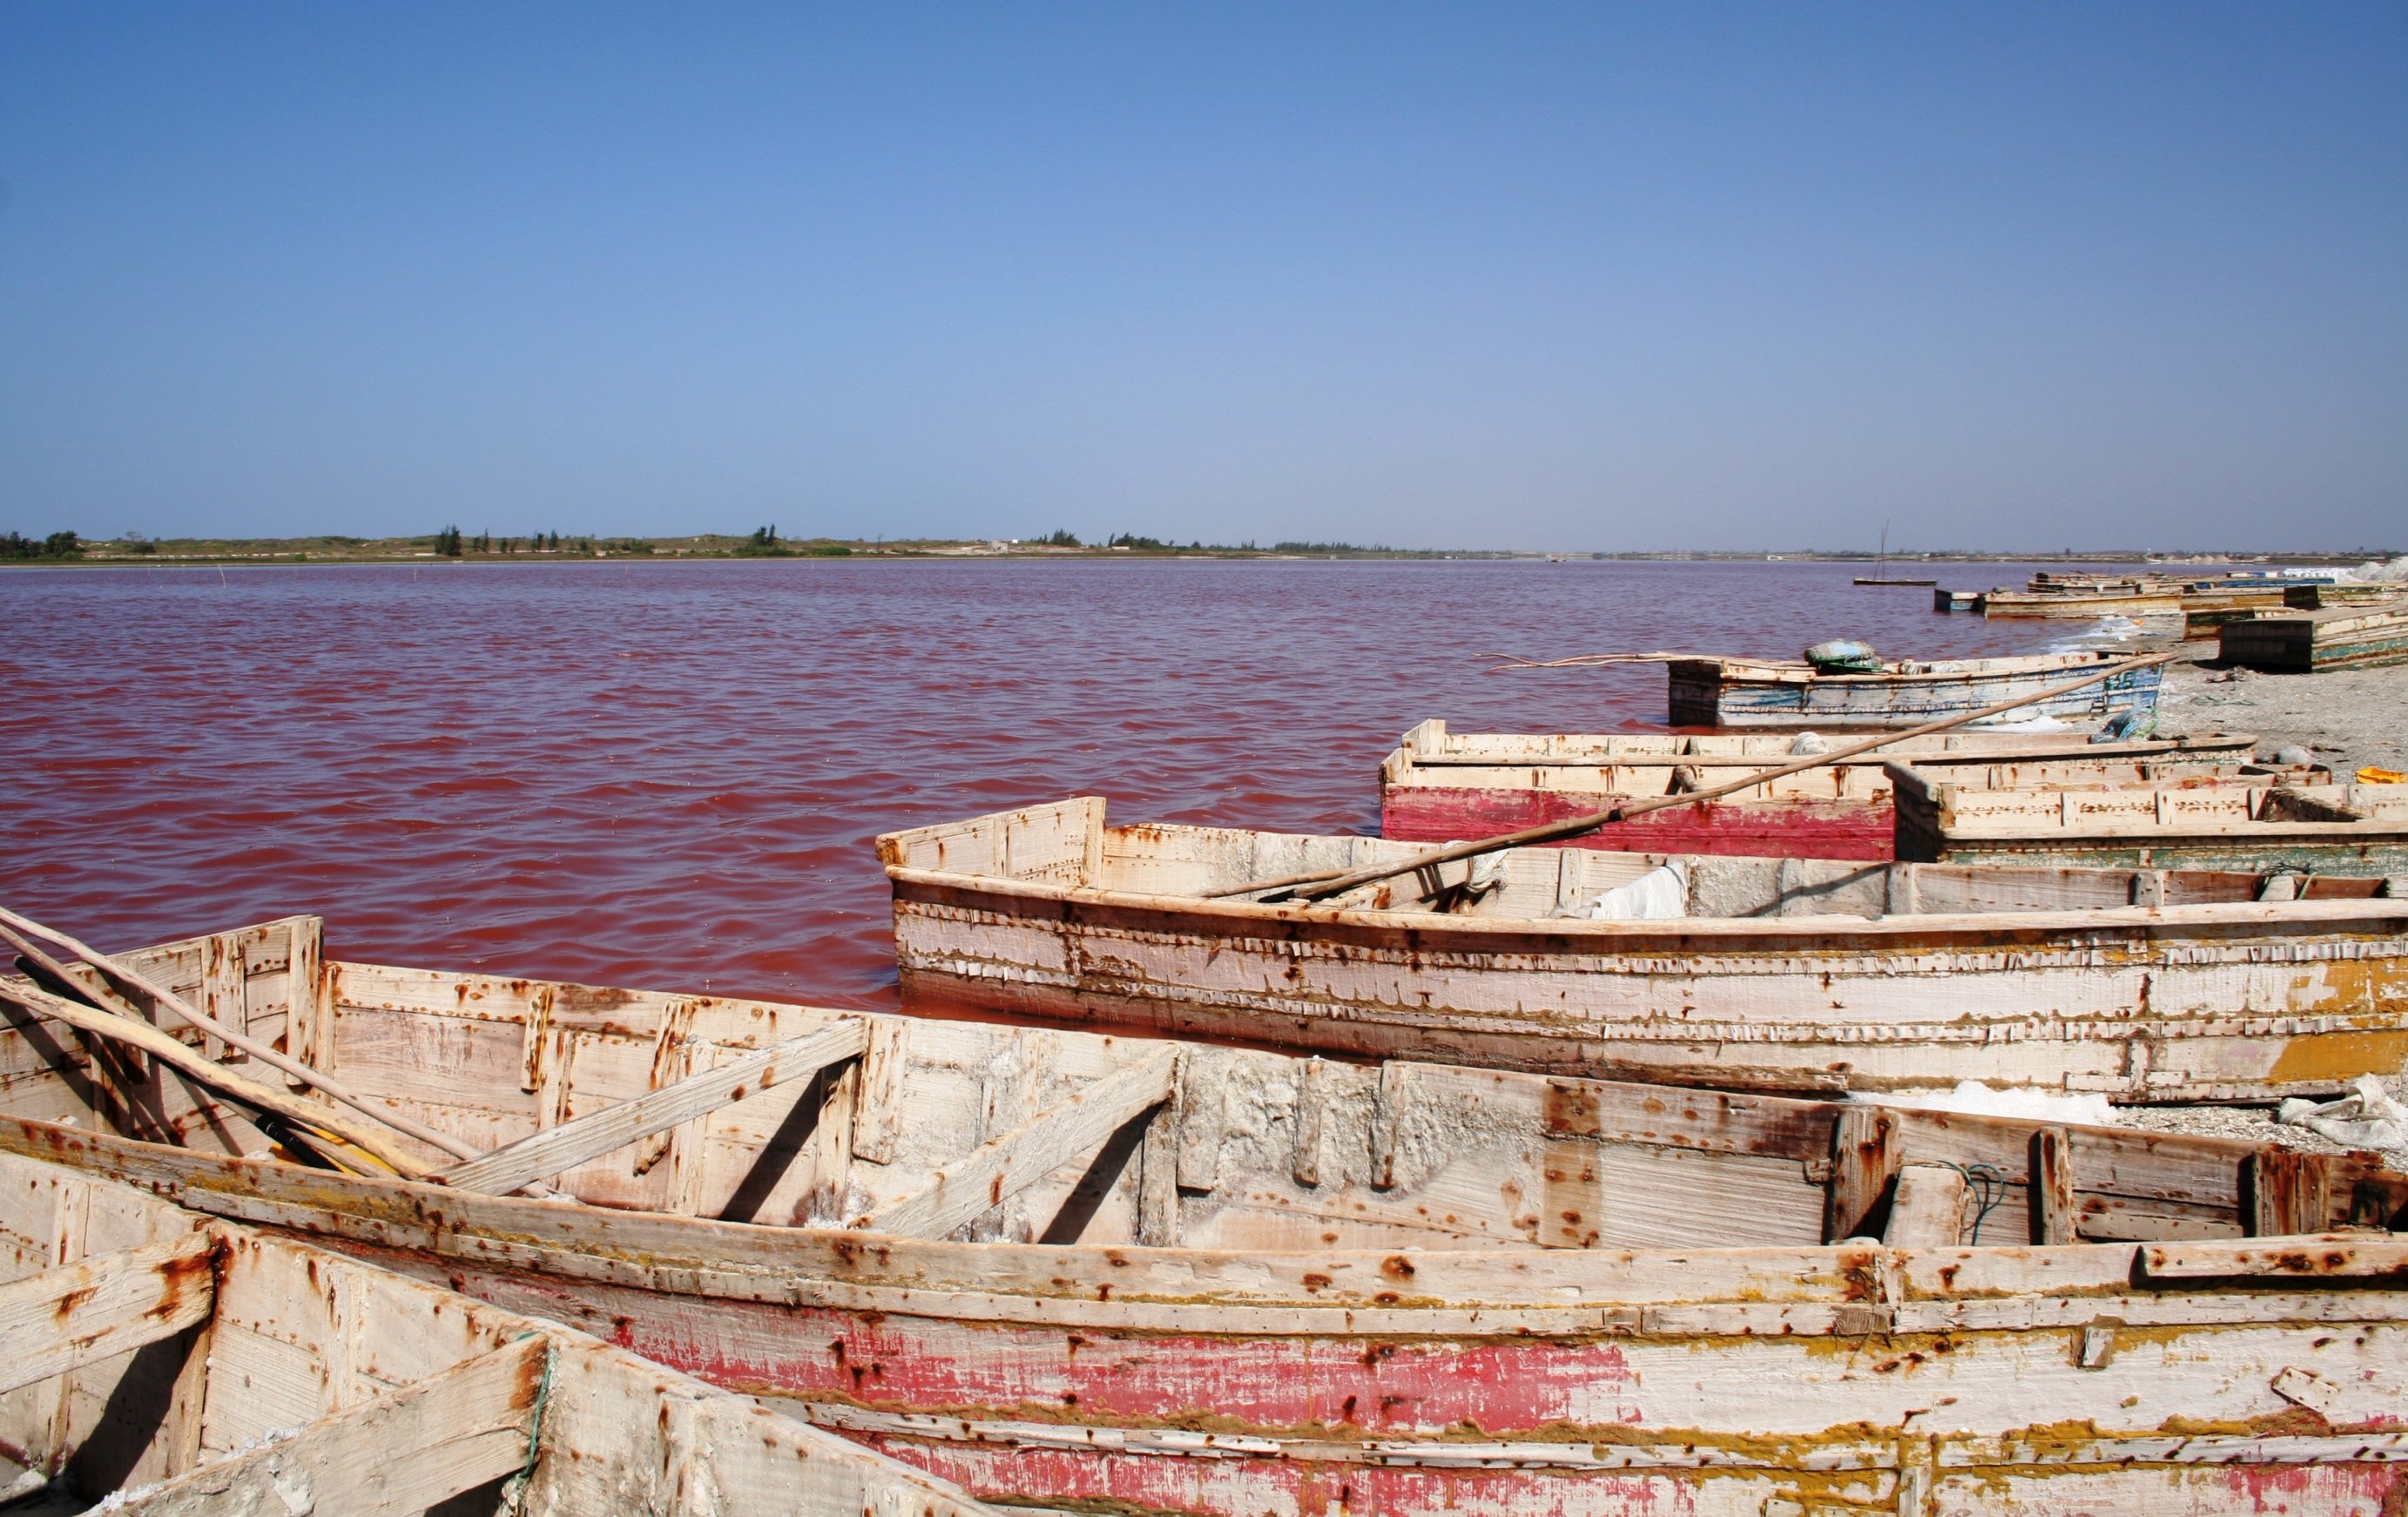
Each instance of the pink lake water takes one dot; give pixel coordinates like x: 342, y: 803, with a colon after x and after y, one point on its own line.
x: 668, y: 775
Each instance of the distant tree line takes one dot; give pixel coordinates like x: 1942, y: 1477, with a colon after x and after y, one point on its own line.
x: 452, y: 543
x: 57, y: 545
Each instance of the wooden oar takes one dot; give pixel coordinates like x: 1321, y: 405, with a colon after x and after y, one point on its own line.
x: 1583, y: 661
x: 266, y: 1053
x: 174, y: 1052
x: 1328, y: 882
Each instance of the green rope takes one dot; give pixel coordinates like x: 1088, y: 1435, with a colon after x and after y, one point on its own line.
x: 514, y: 1489
x: 1986, y: 1186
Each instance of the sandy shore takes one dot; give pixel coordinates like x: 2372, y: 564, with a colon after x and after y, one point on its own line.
x: 2347, y: 718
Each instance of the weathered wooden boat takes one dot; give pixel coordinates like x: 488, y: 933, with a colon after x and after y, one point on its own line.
x: 2306, y: 643
x: 1439, y: 785
x: 183, y: 1368
x: 1766, y: 973
x: 2132, y: 600
x: 2314, y: 596
x: 1956, y: 600
x: 2207, y: 609
x: 1118, y: 1275
x: 1738, y: 692
x: 1966, y: 815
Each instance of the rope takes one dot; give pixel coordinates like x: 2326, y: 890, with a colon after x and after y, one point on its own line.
x: 1986, y: 1186
x: 515, y: 1488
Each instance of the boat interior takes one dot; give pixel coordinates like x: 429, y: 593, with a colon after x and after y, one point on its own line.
x: 788, y: 1116
x: 1069, y: 846
x: 162, y: 1364
x: 2015, y: 797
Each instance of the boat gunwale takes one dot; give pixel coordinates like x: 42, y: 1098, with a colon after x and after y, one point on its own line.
x: 2385, y: 917
x: 1934, y: 672
x: 1239, y: 1292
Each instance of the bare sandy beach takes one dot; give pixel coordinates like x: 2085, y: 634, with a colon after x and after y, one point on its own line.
x: 2347, y: 718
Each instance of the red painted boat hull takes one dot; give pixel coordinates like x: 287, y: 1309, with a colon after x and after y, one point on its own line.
x: 1817, y: 829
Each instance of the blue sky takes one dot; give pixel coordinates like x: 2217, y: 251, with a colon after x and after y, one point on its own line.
x: 1577, y: 277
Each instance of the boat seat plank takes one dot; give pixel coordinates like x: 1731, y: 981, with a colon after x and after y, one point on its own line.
x: 79, y: 1315
x: 463, y: 1428
x: 1009, y: 1163
x: 574, y: 1143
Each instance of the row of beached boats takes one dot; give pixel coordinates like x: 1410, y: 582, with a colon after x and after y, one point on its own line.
x: 1231, y: 1172
x: 2204, y: 604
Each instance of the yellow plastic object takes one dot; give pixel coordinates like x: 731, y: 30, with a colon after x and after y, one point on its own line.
x: 2373, y: 775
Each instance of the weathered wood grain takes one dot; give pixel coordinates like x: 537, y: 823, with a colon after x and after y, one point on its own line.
x: 584, y: 1139
x: 79, y: 1315
x: 1013, y: 1160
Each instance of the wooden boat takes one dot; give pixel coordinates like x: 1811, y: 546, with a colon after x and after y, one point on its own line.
x: 2130, y: 601
x: 1956, y: 600
x: 2306, y: 643
x: 1778, y: 974
x: 2316, y: 596
x: 1439, y: 785
x: 2207, y: 609
x: 185, y: 1367
x: 1738, y: 692
x: 2199, y: 822
x: 1115, y: 1275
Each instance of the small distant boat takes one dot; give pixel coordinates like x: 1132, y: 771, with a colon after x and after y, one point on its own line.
x: 164, y: 1365
x: 2272, y: 821
x: 2308, y: 642
x: 1881, y: 567
x: 1122, y: 1275
x: 1759, y: 973
x: 1439, y: 785
x: 1742, y: 693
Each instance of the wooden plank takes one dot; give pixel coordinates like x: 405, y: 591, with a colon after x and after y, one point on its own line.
x: 2056, y: 1212
x: 877, y: 1106
x: 1391, y: 1105
x: 223, y: 997
x: 1203, y: 1119
x: 308, y: 1023
x: 168, y: 1049
x: 2328, y: 1257
x: 575, y: 1142
x: 1929, y: 1212
x: 1157, y: 1178
x: 399, y: 1453
x: 1012, y: 1161
x: 1312, y: 1096
x: 1864, y: 1161
x: 79, y: 1315
x: 2279, y: 1194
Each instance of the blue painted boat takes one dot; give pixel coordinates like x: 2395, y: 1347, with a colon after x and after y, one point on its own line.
x: 1743, y: 693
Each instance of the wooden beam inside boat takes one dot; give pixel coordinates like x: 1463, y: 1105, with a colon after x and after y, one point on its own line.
x: 79, y: 1314
x: 1929, y: 1210
x: 401, y: 1453
x: 1009, y: 1164
x: 2056, y: 1209
x: 572, y: 1143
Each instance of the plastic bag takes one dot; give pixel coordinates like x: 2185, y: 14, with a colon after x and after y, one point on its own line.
x: 1842, y: 656
x: 2371, y: 1119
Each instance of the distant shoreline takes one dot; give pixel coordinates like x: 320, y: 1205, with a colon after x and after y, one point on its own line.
x: 291, y: 551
